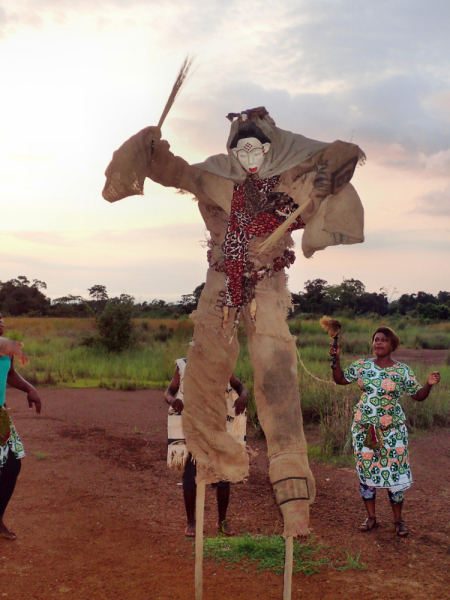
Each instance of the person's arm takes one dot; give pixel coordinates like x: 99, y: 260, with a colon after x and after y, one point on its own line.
x: 170, y: 395
x: 17, y: 381
x: 241, y: 403
x: 433, y: 379
x: 338, y: 373
x: 12, y: 348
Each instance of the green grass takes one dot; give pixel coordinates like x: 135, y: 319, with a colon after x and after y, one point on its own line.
x: 40, y: 455
x: 57, y: 358
x: 352, y: 562
x: 266, y: 553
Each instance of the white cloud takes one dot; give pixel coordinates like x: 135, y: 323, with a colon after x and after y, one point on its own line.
x: 435, y: 203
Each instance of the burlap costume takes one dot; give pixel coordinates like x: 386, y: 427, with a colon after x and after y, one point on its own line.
x: 308, y: 170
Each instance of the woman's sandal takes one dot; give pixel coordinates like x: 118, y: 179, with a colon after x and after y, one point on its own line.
x: 401, y: 529
x: 369, y: 524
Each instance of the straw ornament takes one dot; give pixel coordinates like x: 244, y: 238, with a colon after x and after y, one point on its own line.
x: 333, y: 328
x: 179, y: 82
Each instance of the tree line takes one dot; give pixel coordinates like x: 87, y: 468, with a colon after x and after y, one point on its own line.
x: 22, y: 297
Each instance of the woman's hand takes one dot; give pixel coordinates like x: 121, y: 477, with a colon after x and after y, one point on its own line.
x: 423, y: 393
x: 177, y: 405
x: 335, y: 350
x: 433, y: 378
x: 33, y: 398
x: 12, y: 348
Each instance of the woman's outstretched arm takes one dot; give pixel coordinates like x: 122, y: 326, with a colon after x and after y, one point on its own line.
x: 338, y: 373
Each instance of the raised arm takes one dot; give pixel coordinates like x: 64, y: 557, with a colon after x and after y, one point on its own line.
x: 433, y: 379
x: 338, y: 373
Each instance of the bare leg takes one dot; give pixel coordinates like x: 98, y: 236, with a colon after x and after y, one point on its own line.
x: 400, y: 528
x: 190, y: 495
x: 223, y: 497
x: 4, y: 532
x: 370, y: 508
x: 189, y: 503
x: 371, y: 520
x: 8, y: 477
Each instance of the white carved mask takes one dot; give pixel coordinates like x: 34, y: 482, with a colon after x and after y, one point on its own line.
x: 251, y: 153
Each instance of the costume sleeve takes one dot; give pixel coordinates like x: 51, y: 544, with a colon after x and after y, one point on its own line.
x: 335, y: 214
x: 140, y: 157
x: 336, y: 165
x: 412, y: 386
x: 352, y: 373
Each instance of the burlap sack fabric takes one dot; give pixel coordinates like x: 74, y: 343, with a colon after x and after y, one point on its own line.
x: 177, y: 451
x: 333, y: 215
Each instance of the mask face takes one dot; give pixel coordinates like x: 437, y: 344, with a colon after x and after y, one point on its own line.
x: 251, y: 153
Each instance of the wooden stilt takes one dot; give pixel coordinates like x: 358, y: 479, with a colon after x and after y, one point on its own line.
x: 288, y: 564
x: 199, y: 514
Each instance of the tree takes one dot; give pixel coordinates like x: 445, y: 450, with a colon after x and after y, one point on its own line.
x: 17, y: 297
x: 39, y: 285
x: 99, y: 297
x: 69, y: 306
x: 98, y: 292
x: 189, y: 302
x: 115, y: 325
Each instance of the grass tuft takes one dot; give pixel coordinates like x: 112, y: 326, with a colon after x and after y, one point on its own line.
x: 264, y: 553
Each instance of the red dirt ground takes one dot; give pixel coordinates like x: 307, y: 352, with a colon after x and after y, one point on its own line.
x: 98, y: 516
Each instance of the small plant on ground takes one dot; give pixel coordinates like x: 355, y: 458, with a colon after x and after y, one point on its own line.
x: 40, y: 455
x: 352, y: 562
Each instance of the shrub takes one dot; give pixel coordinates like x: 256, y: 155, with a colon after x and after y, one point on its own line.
x: 115, y: 327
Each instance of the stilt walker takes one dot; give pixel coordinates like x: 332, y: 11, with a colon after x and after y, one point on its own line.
x: 269, y: 183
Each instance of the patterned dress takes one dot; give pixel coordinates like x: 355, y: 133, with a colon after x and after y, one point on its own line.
x: 379, y: 405
x: 12, y: 442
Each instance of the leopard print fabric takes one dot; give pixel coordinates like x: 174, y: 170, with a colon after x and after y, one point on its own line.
x: 255, y: 211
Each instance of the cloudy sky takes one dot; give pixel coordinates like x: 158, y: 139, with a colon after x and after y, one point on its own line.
x: 81, y: 76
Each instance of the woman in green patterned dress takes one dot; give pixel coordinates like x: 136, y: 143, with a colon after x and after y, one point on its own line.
x: 11, y: 448
x: 380, y: 437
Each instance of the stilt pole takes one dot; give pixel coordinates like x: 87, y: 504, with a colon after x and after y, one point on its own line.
x: 288, y: 564
x: 199, y: 514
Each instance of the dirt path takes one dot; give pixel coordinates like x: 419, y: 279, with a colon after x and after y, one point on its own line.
x: 98, y: 516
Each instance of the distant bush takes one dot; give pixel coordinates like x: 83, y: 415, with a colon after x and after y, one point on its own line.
x: 115, y: 326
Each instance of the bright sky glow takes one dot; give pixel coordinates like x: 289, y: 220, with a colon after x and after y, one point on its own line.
x: 79, y: 78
